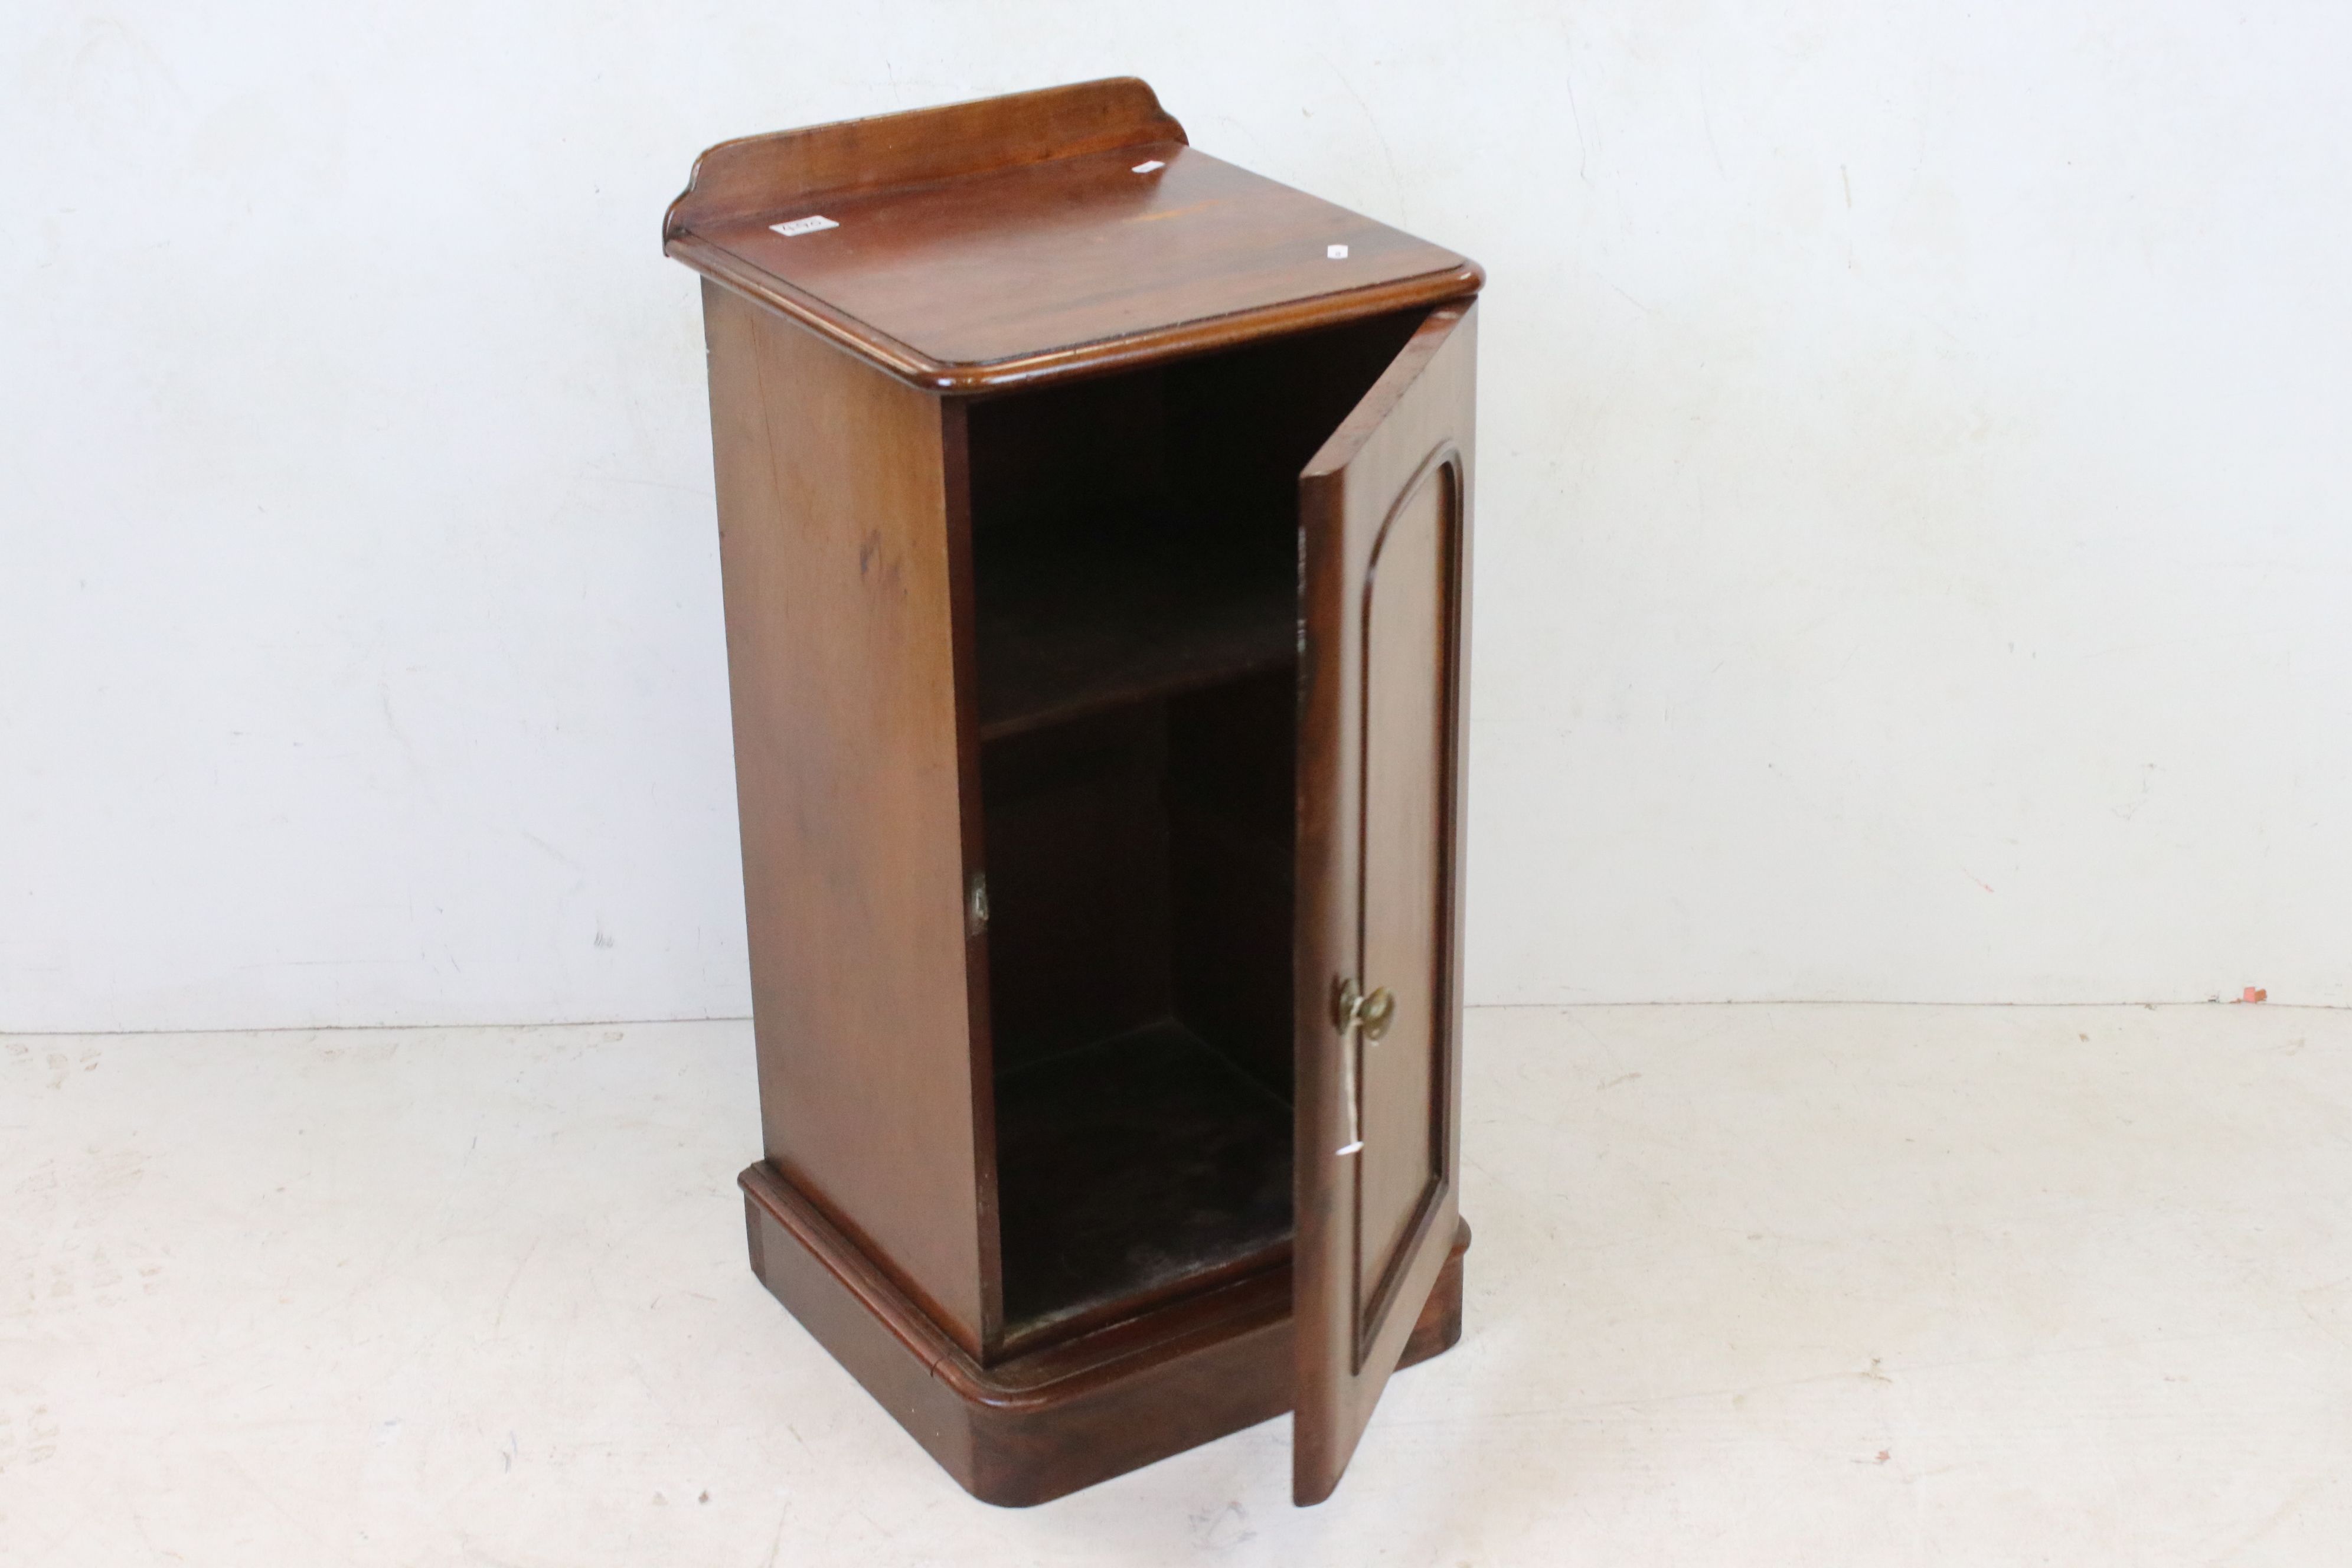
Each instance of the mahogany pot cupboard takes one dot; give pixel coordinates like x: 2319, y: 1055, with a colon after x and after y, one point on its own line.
x: 1095, y: 524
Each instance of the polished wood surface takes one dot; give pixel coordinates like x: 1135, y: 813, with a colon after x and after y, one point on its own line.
x: 1032, y: 268
x: 753, y: 176
x: 1409, y: 732
x: 1384, y: 524
x: 1096, y: 656
x: 835, y: 542
x: 1031, y: 261
x: 1042, y: 1425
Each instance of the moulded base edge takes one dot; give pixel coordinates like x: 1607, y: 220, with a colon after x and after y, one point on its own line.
x: 1066, y: 1415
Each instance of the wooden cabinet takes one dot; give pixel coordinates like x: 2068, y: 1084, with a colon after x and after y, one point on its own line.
x: 1095, y: 524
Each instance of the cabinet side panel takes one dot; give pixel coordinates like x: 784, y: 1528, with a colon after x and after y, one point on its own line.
x: 835, y: 544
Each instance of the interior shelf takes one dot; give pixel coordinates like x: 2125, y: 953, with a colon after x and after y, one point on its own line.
x: 1131, y: 1168
x: 1072, y: 622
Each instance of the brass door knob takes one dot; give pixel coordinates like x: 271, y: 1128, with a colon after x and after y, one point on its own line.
x: 1352, y: 1009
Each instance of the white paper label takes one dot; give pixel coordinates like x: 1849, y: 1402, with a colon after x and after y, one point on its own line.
x: 1147, y: 168
x: 1336, y: 252
x: 809, y: 224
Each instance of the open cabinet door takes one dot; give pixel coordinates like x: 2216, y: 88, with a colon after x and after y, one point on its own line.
x: 1384, y: 518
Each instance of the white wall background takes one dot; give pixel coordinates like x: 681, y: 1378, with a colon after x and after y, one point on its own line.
x: 1913, y: 548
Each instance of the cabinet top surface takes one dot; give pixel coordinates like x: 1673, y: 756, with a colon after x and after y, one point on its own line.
x: 1014, y: 275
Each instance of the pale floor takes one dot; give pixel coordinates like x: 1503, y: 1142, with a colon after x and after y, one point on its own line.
x: 1751, y: 1286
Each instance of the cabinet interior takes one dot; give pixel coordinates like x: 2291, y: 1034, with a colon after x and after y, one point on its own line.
x: 1135, y: 581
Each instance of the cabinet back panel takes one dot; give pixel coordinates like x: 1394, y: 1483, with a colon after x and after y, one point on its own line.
x: 1197, y: 442
x: 1077, y: 883
x: 1231, y: 791
x: 1242, y: 423
x: 1093, y: 451
x: 1135, y: 535
x: 1139, y: 874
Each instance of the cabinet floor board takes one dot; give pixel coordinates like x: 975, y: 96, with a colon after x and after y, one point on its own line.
x: 1130, y: 1169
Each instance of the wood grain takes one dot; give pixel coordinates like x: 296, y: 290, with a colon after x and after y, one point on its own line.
x: 1081, y: 1411
x: 1378, y: 799
x: 1002, y: 257
x: 1408, y: 746
x: 753, y: 175
x: 1015, y: 619
x: 851, y: 779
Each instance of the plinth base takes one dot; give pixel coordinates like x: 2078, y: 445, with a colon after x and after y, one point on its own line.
x: 1046, y: 1422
